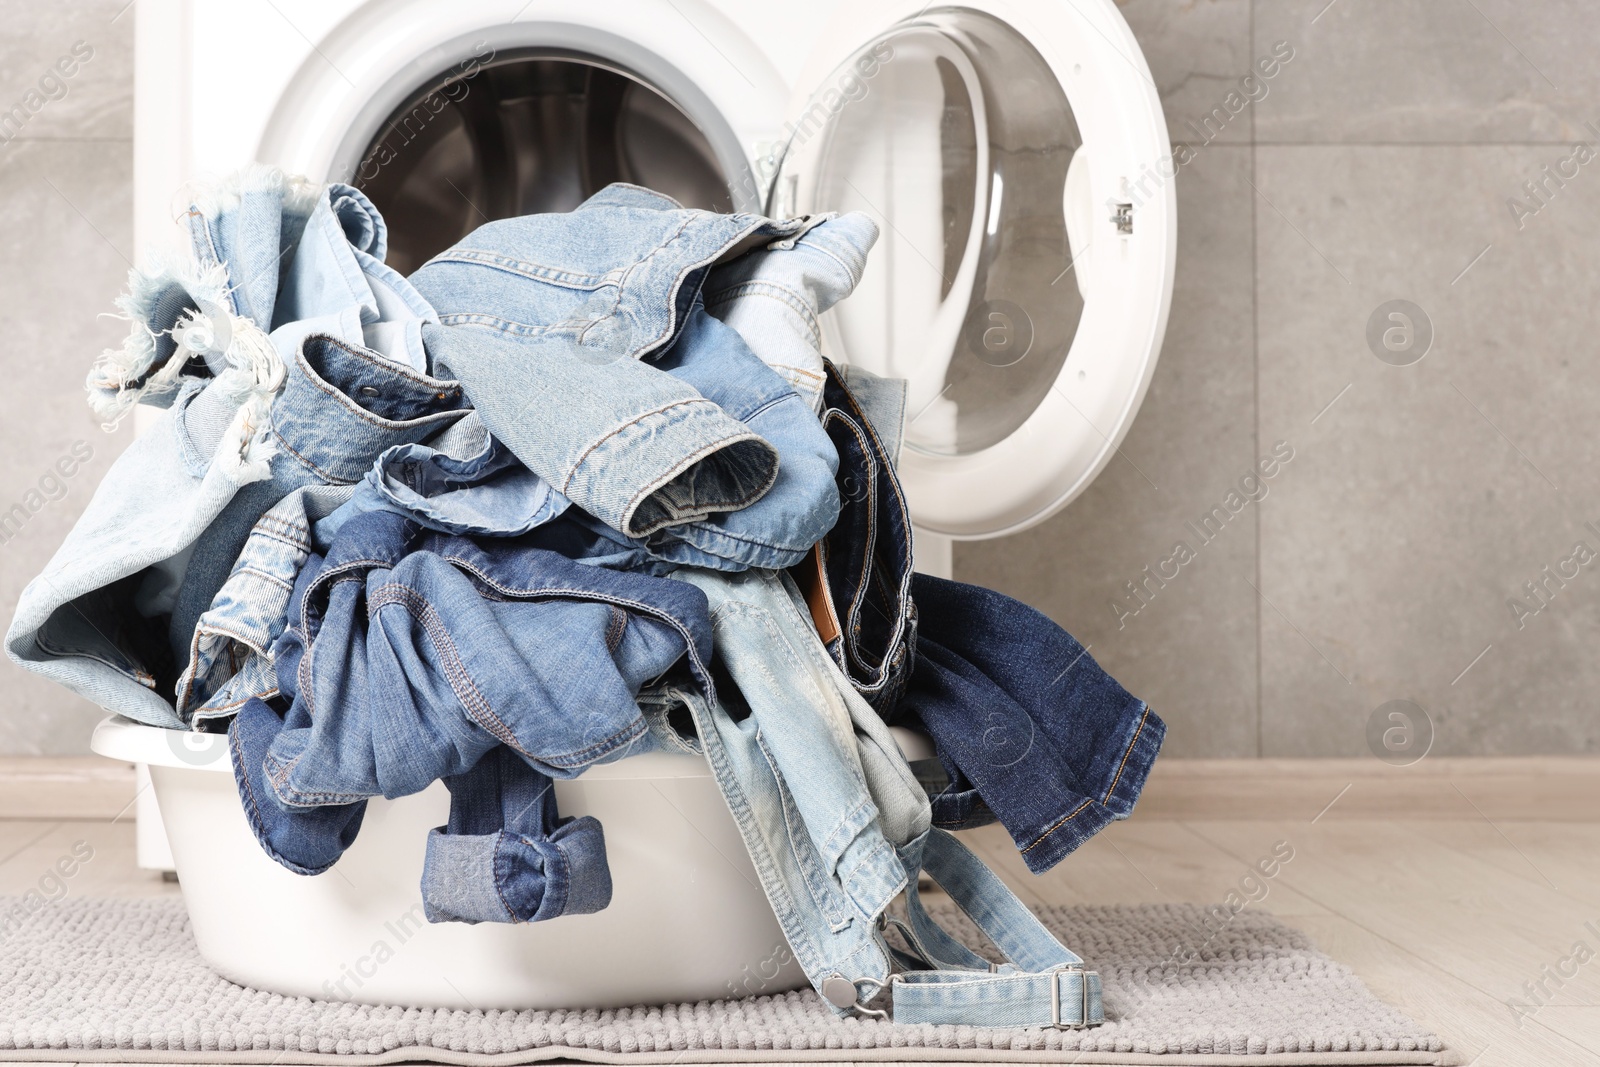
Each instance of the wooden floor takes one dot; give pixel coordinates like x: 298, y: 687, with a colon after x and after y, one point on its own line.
x: 1452, y: 913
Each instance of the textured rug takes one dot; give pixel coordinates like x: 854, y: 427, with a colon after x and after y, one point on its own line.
x: 120, y: 980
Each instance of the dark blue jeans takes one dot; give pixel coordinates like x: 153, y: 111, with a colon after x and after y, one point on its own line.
x: 1029, y: 729
x: 857, y: 581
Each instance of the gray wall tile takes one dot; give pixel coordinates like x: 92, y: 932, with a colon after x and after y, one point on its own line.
x: 1428, y: 494
x: 1430, y: 70
x: 1190, y: 651
x: 94, y: 40
x: 65, y: 230
x: 1198, y: 51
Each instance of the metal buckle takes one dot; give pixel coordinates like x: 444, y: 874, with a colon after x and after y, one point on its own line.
x: 1055, y: 998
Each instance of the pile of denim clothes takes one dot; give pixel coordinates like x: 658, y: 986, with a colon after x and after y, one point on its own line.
x: 582, y: 486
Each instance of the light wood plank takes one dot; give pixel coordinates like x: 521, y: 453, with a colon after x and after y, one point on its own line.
x: 1464, y: 916
x: 98, y: 855
x: 1477, y: 1026
x: 43, y: 787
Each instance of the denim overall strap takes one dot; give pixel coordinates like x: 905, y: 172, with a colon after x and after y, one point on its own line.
x: 1044, y: 984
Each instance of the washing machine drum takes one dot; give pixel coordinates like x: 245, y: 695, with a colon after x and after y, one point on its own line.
x: 1014, y: 156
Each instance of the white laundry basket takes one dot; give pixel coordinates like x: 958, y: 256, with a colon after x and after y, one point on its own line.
x: 688, y: 919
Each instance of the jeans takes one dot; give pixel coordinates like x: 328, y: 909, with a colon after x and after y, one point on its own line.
x: 1027, y: 725
x: 774, y: 296
x: 858, y: 580
x: 837, y: 826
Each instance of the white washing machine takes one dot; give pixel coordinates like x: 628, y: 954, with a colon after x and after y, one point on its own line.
x: 1014, y: 155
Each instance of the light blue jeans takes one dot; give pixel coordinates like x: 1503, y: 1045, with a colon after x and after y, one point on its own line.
x: 837, y: 827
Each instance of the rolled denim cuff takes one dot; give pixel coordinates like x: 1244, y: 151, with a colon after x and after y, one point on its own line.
x: 506, y: 877
x: 689, y: 461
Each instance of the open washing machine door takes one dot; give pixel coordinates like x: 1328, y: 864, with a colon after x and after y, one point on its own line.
x: 1015, y: 157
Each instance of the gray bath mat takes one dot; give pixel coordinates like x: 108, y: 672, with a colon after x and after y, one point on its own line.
x: 120, y: 980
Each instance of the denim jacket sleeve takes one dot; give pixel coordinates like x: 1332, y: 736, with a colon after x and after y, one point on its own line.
x: 639, y: 449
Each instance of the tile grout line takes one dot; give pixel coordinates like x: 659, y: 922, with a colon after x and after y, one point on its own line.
x: 1255, y: 368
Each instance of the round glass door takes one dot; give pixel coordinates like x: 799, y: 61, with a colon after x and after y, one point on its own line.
x: 953, y: 133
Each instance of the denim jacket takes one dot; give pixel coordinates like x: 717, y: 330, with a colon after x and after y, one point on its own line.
x: 548, y: 320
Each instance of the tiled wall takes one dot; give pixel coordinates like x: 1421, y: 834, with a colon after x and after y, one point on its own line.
x: 1376, y: 164
x: 66, y: 238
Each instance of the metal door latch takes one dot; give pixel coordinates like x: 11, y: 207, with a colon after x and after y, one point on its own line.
x: 1124, y: 218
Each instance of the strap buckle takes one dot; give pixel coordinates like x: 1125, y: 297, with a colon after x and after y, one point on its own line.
x: 1055, y: 998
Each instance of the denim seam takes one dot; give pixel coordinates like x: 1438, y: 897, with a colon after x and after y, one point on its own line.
x: 351, y: 570
x: 877, y: 460
x: 455, y: 670
x: 1059, y: 824
x: 816, y: 874
x: 298, y: 798
x: 294, y: 543
x: 1127, y: 753
x: 566, y: 279
x: 608, y: 435
x: 617, y: 627
x: 217, y: 711
x: 692, y: 650
x: 852, y: 271
x: 858, y: 594
x: 769, y: 405
x: 670, y: 328
x: 266, y: 576
x: 472, y: 701
x: 308, y: 464
x: 880, y: 454
x: 386, y: 366
x: 253, y: 811
x: 784, y: 909
x: 494, y: 866
x: 704, y: 526
x: 201, y: 632
x: 772, y: 291
x: 282, y: 529
x: 585, y: 756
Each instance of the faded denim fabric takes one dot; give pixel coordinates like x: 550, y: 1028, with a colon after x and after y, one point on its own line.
x: 821, y: 793
x: 837, y: 826
x: 166, y: 525
x: 335, y: 286
x: 230, y: 656
x: 469, y: 485
x: 414, y: 656
x: 803, y: 503
x: 413, y: 653
x: 545, y: 319
x: 505, y: 855
x: 775, y: 296
x: 1027, y: 725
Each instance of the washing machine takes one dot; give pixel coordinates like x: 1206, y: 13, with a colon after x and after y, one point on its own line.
x: 1014, y: 156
